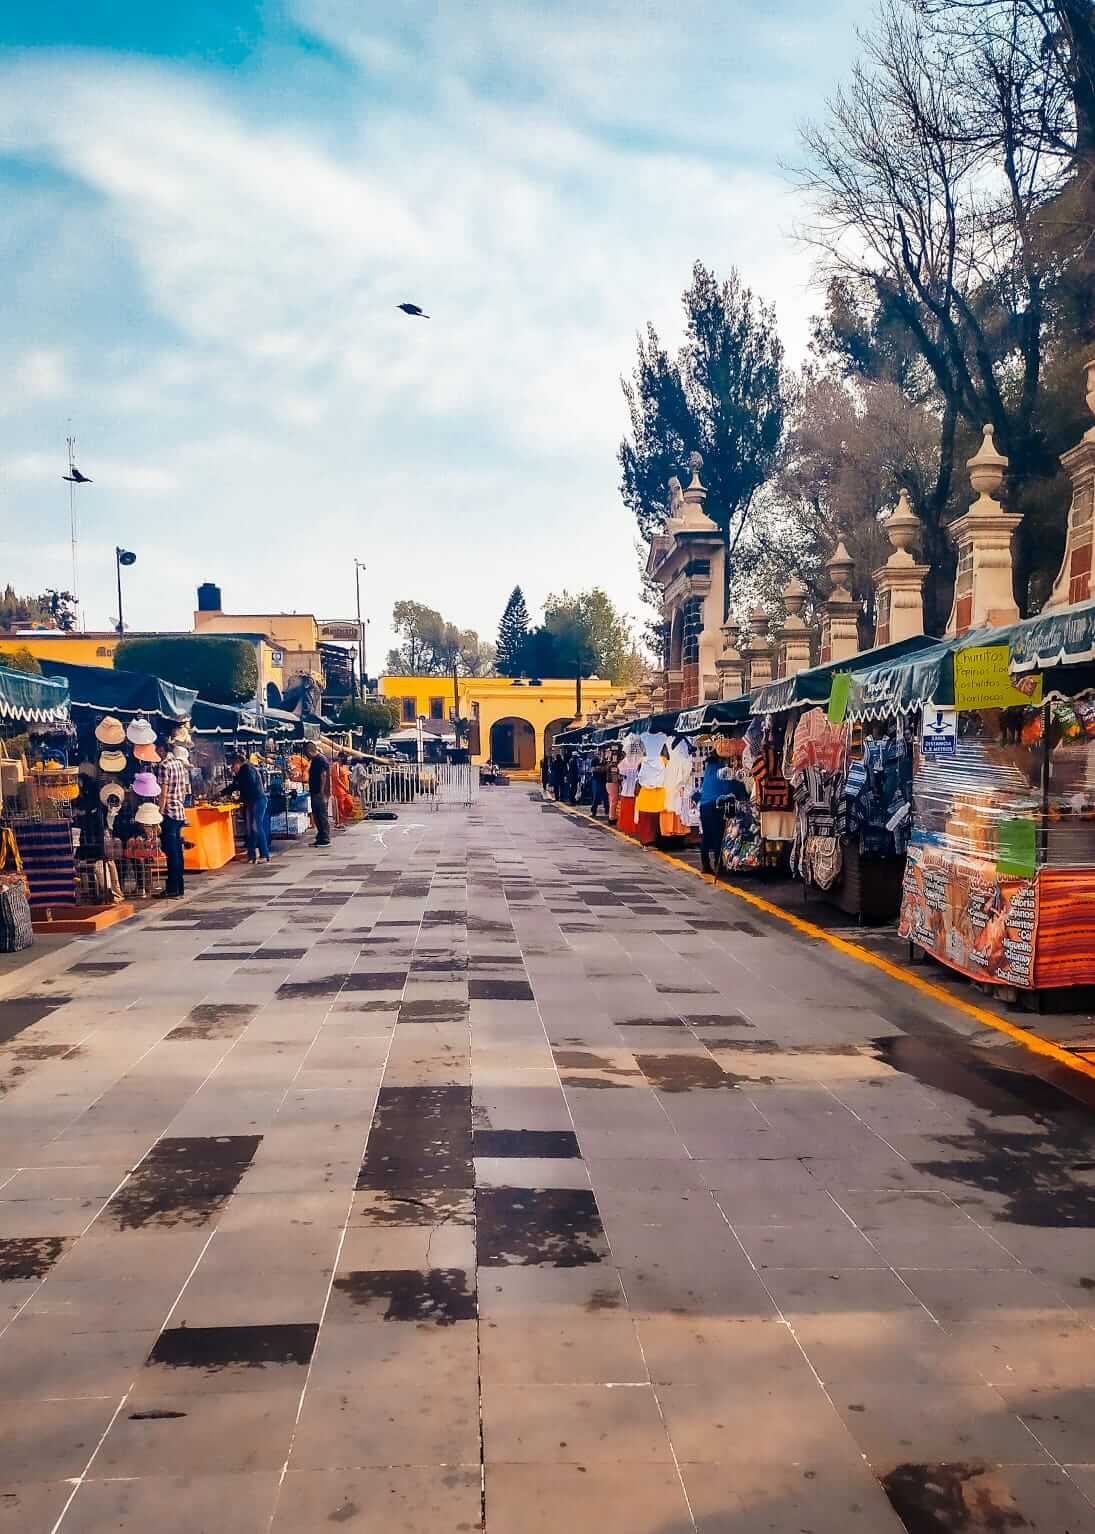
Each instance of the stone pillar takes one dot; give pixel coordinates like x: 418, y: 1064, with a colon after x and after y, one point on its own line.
x: 758, y: 651
x: 983, y: 582
x: 1073, y: 583
x: 899, y: 583
x: 840, y: 621
x: 730, y: 666
x: 793, y: 637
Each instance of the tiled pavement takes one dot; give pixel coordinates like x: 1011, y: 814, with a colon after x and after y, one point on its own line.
x: 490, y: 1163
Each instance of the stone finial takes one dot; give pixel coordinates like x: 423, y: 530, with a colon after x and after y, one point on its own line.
x: 794, y: 600
x: 730, y: 666
x: 758, y: 629
x: 691, y: 516
x: 987, y: 468
x: 982, y: 535
x: 841, y: 567
x: 903, y: 525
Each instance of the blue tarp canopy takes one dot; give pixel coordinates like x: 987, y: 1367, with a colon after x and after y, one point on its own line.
x: 815, y: 684
x: 223, y: 719
x: 33, y: 699
x: 1062, y: 638
x: 121, y: 692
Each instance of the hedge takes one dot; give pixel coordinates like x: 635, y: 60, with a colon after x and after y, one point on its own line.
x: 221, y: 670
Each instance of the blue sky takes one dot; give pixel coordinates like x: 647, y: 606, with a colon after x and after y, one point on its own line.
x: 212, y: 209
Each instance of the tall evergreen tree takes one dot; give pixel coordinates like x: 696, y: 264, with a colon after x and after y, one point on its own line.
x: 513, y: 635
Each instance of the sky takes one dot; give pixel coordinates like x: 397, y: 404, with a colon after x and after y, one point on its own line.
x: 211, y: 210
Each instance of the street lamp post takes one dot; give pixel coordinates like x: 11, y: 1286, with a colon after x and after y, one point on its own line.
x: 122, y: 557
x: 358, y: 567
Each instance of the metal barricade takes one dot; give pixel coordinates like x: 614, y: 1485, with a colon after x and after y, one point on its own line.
x: 429, y: 785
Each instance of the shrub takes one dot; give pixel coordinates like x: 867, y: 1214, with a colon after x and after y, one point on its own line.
x: 221, y: 670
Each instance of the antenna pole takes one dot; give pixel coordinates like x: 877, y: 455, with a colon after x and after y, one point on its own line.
x: 71, y: 444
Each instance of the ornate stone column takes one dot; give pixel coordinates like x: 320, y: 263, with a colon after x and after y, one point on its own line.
x: 793, y: 637
x: 983, y: 582
x: 1073, y: 583
x: 758, y: 651
x: 840, y: 621
x: 731, y: 666
x: 899, y: 583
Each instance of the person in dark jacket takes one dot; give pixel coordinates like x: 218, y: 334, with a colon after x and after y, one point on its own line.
x: 558, y: 774
x: 573, y: 774
x: 599, y: 774
x: 319, y: 789
x: 715, y: 785
x: 255, y: 801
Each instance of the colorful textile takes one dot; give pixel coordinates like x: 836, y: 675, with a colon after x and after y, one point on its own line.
x: 649, y: 801
x: 625, y: 815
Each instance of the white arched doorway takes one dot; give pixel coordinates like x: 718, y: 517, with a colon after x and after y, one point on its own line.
x: 513, y: 743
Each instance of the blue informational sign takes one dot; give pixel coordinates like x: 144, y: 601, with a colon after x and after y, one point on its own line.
x: 939, y: 731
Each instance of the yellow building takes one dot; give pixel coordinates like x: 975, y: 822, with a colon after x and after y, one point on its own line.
x: 512, y: 722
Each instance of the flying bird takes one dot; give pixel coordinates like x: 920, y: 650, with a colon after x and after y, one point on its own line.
x: 75, y: 477
x: 413, y: 310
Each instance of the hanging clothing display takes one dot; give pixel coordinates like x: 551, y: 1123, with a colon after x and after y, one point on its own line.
x: 650, y: 799
x: 678, y: 791
x: 630, y: 763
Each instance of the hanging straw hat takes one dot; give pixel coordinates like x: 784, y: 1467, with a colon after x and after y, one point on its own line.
x: 146, y: 786
x: 148, y: 814
x: 113, y: 761
x: 141, y: 733
x: 111, y: 794
x: 110, y: 731
x: 146, y: 753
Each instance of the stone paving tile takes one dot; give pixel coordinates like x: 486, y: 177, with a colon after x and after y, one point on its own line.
x: 509, y: 1119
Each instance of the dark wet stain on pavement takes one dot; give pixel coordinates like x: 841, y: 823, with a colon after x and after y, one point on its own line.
x: 222, y: 1347
x: 421, y: 1138
x: 377, y: 980
x: 437, y: 1295
x: 520, y: 1227
x: 214, y: 1020
x: 97, y: 967
x: 552, y: 1143
x: 682, y: 1072
x: 481, y: 988
x: 21, y: 1012
x: 953, y: 1498
x: 444, y: 1011
x: 182, y: 1182
x: 431, y: 1206
x: 26, y: 1257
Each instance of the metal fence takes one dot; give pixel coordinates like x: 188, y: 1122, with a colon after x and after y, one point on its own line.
x: 429, y: 785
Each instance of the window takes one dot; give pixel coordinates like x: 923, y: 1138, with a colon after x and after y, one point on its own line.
x: 437, y: 708
x: 408, y: 708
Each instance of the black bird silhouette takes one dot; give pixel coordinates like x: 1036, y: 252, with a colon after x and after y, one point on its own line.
x: 76, y: 478
x: 414, y: 310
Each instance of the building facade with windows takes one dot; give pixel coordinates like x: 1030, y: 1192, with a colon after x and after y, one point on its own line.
x: 511, y: 722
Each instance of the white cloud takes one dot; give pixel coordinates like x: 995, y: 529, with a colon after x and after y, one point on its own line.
x: 40, y: 374
x: 260, y: 383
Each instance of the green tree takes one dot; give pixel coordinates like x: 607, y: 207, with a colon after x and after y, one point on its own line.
x: 590, y: 625
x: 721, y: 395
x: 222, y: 670
x: 431, y: 646
x: 56, y: 609
x: 374, y: 717
x: 513, y: 634
x: 20, y: 660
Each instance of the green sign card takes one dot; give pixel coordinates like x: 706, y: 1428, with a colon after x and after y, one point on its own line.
x: 838, y: 697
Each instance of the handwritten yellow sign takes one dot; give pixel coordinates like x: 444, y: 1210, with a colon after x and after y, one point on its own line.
x: 982, y: 680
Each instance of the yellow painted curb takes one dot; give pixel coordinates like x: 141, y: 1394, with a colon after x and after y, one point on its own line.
x: 1085, y: 1066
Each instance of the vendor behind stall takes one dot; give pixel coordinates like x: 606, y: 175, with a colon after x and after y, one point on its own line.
x: 248, y: 783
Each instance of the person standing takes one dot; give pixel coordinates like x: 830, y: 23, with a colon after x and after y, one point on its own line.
x: 319, y: 788
x: 558, y: 774
x: 599, y: 775
x: 174, y: 788
x: 573, y: 774
x: 255, y: 801
x: 714, y: 786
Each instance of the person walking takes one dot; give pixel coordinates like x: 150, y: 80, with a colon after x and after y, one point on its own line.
x: 319, y: 788
x: 255, y: 801
x: 558, y: 774
x: 573, y: 775
x: 174, y: 788
x: 599, y: 774
x: 713, y: 786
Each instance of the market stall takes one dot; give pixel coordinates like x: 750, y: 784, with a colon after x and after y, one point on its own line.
x: 123, y: 723
x: 1000, y: 876
x: 36, y: 786
x: 844, y: 827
